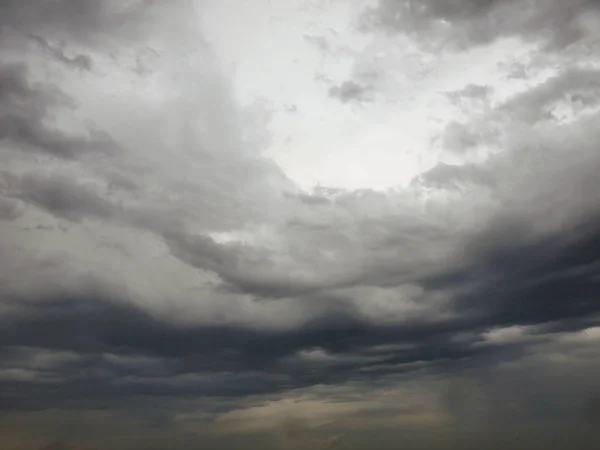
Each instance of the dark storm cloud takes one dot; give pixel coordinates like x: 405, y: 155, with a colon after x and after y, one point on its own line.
x: 474, y: 22
x: 504, y: 281
x: 75, y: 335
x: 26, y: 109
x: 60, y: 196
x: 514, y: 278
x: 90, y: 328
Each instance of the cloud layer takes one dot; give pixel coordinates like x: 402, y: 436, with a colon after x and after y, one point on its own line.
x: 155, y: 262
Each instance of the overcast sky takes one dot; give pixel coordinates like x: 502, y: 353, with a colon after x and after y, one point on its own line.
x: 299, y: 224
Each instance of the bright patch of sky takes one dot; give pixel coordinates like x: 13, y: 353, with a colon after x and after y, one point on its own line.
x: 288, y: 57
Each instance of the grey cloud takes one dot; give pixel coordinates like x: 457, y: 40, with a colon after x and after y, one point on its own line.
x: 471, y: 91
x: 575, y: 87
x: 593, y: 409
x: 389, y: 246
x: 82, y: 62
x: 71, y: 196
x: 350, y: 91
x: 511, y: 240
x: 311, y: 199
x: 461, y: 138
x: 498, y: 286
x: 99, y: 327
x: 9, y: 209
x: 58, y: 444
x: 248, y: 269
x: 320, y: 42
x: 508, y: 127
x: 62, y: 197
x: 490, y: 290
x: 475, y: 22
x: 445, y: 176
x: 519, y: 280
x: 26, y: 109
x: 81, y: 20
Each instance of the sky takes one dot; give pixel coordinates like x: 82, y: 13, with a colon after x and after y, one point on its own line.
x: 367, y: 224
